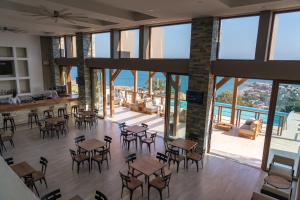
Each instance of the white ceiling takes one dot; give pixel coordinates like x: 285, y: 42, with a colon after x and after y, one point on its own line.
x: 107, y: 14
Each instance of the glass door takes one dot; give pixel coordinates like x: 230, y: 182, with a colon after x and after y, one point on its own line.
x: 176, y: 105
x: 285, y: 140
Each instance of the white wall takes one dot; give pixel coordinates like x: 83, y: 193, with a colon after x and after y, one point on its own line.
x: 33, y: 46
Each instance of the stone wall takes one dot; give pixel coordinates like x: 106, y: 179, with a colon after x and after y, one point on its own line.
x: 48, y: 60
x: 84, y: 50
x: 203, y: 49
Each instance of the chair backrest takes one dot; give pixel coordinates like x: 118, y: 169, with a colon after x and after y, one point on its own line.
x: 100, y: 196
x: 173, y: 153
x: 122, y: 126
x: 166, y: 179
x: 131, y: 158
x: 9, y: 161
x: 153, y: 136
x: 283, y: 161
x: 73, y: 153
x: 52, y: 195
x: 144, y: 125
x: 108, y: 141
x: 125, y: 179
x: 162, y: 157
x: 44, y: 163
x: 79, y: 139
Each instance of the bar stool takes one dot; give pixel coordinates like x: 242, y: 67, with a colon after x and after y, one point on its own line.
x: 74, y: 109
x: 33, y: 115
x: 8, y: 118
x: 62, y: 111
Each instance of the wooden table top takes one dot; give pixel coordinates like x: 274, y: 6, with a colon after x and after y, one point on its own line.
x: 77, y: 197
x: 136, y: 129
x: 87, y: 113
x: 278, y: 182
x: 22, y: 169
x: 184, y: 144
x: 91, y: 144
x: 55, y: 120
x: 147, y: 165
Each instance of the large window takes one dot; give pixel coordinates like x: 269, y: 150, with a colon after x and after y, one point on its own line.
x: 62, y: 46
x: 238, y: 38
x: 171, y: 41
x: 130, y: 43
x: 101, y: 44
x: 286, y: 37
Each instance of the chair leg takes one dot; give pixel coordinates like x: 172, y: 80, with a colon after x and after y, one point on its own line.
x: 78, y: 165
x: 12, y: 143
x: 197, y: 165
x: 149, y: 192
x: 36, y: 189
x: 99, y: 167
x: 160, y: 194
x: 177, y: 166
x: 131, y: 193
x: 149, y: 148
x: 45, y: 182
x: 122, y: 191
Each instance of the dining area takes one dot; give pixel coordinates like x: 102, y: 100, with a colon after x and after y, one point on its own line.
x: 116, y: 160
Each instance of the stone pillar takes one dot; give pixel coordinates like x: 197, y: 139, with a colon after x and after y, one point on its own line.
x: 50, y: 51
x: 203, y: 50
x: 84, y: 50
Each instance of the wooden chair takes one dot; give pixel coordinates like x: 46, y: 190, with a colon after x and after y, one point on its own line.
x: 43, y: 130
x: 282, y: 166
x: 78, y: 158
x: 52, y: 195
x: 176, y: 158
x: 164, y: 159
x: 123, y: 131
x: 78, y: 140
x: 9, y: 161
x: 79, y: 120
x: 88, y: 121
x: 196, y: 156
x: 99, y: 158
x: 41, y: 175
x: 130, y: 138
x: 7, y: 117
x: 100, y: 196
x: 131, y: 183
x: 130, y: 159
x: 60, y: 128
x: 8, y: 137
x: 150, y: 140
x: 142, y: 135
x: 29, y: 182
x: 160, y: 183
x: 108, y: 141
x: 2, y: 146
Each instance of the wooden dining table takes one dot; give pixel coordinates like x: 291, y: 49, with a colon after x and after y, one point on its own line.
x: 147, y: 165
x: 55, y: 120
x: 136, y: 129
x: 23, y: 169
x: 184, y: 144
x: 91, y: 145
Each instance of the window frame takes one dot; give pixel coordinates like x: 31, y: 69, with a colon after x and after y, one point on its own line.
x: 256, y: 14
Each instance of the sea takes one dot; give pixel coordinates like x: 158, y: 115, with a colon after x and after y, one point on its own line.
x: 125, y: 78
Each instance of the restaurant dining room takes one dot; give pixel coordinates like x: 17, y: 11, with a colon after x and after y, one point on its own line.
x: 131, y: 100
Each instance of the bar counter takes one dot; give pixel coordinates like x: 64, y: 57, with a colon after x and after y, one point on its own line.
x: 20, y: 111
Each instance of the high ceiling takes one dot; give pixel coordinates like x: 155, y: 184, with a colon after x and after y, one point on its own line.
x: 99, y: 15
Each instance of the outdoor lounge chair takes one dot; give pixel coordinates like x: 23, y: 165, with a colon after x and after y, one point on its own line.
x: 260, y: 196
x: 150, y: 108
x: 250, y: 129
x: 283, y: 167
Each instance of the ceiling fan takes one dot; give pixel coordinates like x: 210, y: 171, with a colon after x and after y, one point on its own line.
x: 57, y: 15
x: 11, y: 29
